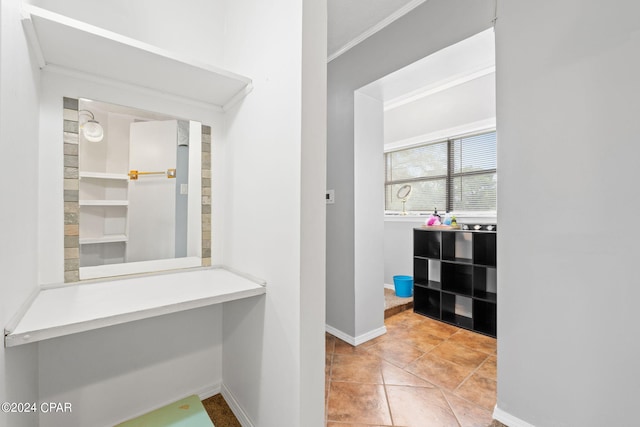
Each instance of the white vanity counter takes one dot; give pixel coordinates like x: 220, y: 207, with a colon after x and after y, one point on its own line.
x: 77, y: 308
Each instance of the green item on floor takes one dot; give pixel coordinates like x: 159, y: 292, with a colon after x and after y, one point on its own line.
x: 187, y: 412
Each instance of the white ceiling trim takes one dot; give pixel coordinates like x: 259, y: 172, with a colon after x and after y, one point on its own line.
x: 379, y: 26
x: 438, y: 87
x: 442, y: 135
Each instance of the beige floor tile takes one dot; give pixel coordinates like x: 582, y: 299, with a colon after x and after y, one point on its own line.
x: 432, y: 373
x: 468, y: 414
x: 376, y: 340
x: 342, y: 347
x: 392, y: 375
x: 459, y: 354
x: 397, y: 352
x: 328, y: 359
x: 479, y: 390
x: 440, y: 372
x: 434, y: 328
x: 358, y: 403
x: 438, y: 329
x: 403, y: 320
x: 419, y: 339
x: 489, y: 368
x: 419, y: 407
x: 357, y: 368
x: 350, y: 425
x: 475, y: 341
x: 330, y: 343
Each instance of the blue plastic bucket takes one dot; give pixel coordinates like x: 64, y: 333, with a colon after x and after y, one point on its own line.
x: 403, y: 285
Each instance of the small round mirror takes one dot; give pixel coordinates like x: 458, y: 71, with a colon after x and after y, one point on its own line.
x: 403, y: 194
x: 404, y: 191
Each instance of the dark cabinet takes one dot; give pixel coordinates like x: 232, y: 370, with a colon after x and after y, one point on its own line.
x: 455, y: 277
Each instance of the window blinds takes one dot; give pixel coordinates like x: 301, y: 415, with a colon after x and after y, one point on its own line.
x: 455, y: 175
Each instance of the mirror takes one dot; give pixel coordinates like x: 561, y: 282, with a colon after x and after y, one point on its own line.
x: 403, y: 194
x: 139, y: 191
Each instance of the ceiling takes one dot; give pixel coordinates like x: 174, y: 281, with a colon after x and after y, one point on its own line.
x: 463, y: 61
x: 351, y: 21
x: 450, y: 91
x: 460, y: 77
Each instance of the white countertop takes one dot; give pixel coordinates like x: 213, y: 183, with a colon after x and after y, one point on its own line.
x: 70, y: 309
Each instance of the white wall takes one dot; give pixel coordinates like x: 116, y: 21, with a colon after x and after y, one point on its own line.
x: 368, y: 142
x: 194, y: 28
x: 453, y: 108
x: 19, y: 81
x: 313, y: 212
x: 270, y: 212
x: 153, y: 147
x: 112, y: 374
x: 568, y: 102
x: 398, y: 248
x: 425, y: 30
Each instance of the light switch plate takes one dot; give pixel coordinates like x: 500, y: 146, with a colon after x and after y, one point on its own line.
x: 330, y: 197
x: 184, y: 188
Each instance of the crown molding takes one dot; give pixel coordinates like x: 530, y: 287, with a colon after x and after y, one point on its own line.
x: 377, y: 27
x: 453, y: 81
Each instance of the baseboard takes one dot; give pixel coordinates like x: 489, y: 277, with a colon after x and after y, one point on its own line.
x: 207, y: 392
x: 508, y: 419
x: 356, y: 340
x: 339, y: 334
x: 388, y: 286
x: 237, y: 410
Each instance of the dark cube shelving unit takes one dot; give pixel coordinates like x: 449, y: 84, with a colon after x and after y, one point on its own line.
x: 455, y: 280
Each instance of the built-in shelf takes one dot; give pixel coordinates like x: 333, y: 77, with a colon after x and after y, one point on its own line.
x: 104, y: 175
x: 70, y: 309
x: 104, y: 203
x: 104, y: 239
x: 60, y: 41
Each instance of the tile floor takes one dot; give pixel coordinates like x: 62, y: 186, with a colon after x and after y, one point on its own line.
x: 421, y: 373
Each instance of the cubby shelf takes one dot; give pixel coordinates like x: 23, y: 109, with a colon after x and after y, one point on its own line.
x: 111, y: 238
x: 104, y: 175
x: 104, y: 202
x: 455, y: 278
x: 431, y: 284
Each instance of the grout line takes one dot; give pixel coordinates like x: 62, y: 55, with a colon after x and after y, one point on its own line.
x: 386, y: 396
x: 441, y: 389
x: 451, y: 407
x: 328, y: 384
x: 470, y: 375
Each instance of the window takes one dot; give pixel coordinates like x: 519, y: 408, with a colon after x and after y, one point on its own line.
x: 456, y: 175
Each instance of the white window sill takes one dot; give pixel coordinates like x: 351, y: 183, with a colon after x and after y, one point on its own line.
x: 461, y: 218
x: 405, y: 218
x: 70, y: 309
